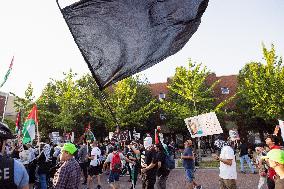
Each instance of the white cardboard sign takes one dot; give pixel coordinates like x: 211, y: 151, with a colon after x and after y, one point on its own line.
x: 203, y: 125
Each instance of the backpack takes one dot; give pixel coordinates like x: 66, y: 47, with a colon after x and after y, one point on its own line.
x: 116, y: 162
x: 169, y: 160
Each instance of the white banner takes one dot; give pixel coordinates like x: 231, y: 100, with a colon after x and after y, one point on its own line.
x: 281, y: 125
x: 203, y: 125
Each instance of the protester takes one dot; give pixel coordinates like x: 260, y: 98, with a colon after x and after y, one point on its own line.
x: 163, y: 171
x: 228, y: 170
x: 114, y: 159
x: 276, y: 161
x: 148, y: 164
x: 261, y: 166
x: 272, y: 142
x: 244, y: 157
x: 95, y: 168
x: 14, y: 173
x: 43, y: 166
x: 134, y: 155
x: 189, y: 164
x: 83, y: 161
x: 68, y: 175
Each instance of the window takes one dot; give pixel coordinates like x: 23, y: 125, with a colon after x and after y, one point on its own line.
x: 162, y: 116
x: 225, y: 90
x: 162, y: 96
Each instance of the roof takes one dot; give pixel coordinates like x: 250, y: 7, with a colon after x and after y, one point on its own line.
x: 157, y: 88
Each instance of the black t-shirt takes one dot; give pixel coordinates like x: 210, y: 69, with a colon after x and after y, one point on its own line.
x: 243, y: 149
x: 279, y: 184
x: 148, y: 157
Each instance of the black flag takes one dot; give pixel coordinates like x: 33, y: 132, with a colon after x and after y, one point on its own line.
x: 119, y: 38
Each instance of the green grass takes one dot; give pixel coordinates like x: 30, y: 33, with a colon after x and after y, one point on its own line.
x: 206, y: 164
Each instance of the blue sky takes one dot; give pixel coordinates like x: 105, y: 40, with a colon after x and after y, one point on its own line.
x: 229, y: 36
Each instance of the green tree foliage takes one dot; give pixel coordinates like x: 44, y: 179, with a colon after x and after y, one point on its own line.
x: 59, y: 104
x: 132, y: 104
x: 69, y: 105
x: 260, y: 87
x: 189, y: 95
x: 25, y: 104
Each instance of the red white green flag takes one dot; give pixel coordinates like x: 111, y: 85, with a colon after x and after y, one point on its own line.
x: 30, y: 125
x: 7, y: 73
x: 18, y: 123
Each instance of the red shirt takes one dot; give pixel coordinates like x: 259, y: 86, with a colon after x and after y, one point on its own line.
x: 271, y: 172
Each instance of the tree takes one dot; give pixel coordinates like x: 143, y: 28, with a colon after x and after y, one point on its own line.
x: 59, y: 103
x: 261, y: 85
x: 189, y: 95
x: 132, y: 104
x: 25, y: 104
x: 260, y: 96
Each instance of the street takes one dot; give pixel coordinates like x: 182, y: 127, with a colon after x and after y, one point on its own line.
x: 208, y: 178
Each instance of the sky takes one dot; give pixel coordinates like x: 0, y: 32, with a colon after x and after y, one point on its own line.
x: 229, y: 36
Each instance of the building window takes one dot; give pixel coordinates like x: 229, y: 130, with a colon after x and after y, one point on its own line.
x: 225, y: 90
x: 162, y: 96
x: 162, y: 116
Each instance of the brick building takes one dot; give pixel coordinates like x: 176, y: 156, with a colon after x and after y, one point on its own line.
x: 225, y: 88
x: 10, y: 111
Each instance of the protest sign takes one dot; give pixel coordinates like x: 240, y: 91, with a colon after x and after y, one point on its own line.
x: 203, y: 125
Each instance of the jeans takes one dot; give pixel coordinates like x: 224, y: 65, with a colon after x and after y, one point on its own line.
x: 42, y: 181
x: 247, y: 159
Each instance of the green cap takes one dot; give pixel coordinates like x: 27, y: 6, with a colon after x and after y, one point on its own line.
x: 276, y: 155
x: 70, y: 148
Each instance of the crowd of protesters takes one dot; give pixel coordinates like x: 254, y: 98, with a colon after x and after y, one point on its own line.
x: 71, y: 166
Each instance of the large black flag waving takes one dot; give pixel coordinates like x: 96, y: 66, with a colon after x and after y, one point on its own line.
x: 119, y: 38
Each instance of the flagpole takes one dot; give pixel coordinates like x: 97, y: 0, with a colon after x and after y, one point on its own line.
x: 37, y: 132
x: 5, y: 106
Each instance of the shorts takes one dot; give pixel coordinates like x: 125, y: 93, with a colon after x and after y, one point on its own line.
x: 113, y: 176
x: 94, y: 170
x: 189, y: 175
x: 227, y: 183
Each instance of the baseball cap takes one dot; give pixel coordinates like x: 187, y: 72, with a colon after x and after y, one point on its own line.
x: 70, y: 148
x: 276, y: 155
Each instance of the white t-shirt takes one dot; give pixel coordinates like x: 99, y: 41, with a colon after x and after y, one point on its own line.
x: 228, y: 171
x: 96, y: 152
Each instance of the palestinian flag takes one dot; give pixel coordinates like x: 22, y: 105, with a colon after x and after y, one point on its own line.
x: 7, y: 73
x: 18, y: 123
x: 30, y: 125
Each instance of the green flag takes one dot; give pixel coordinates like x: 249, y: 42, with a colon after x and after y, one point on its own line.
x: 7, y: 73
x: 29, y: 126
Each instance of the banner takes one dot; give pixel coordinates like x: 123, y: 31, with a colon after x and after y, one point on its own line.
x: 203, y: 125
x: 281, y: 125
x: 119, y: 38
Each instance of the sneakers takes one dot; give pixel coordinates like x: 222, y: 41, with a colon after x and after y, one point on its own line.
x: 99, y: 187
x: 198, y: 187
